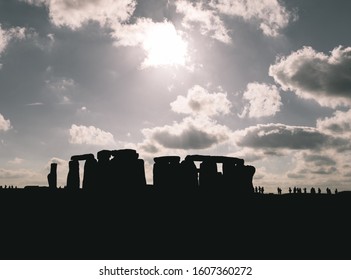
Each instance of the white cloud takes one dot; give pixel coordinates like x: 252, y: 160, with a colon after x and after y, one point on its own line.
x: 7, y: 35
x: 61, y: 84
x: 62, y: 170
x: 271, y: 15
x: 74, y: 14
x: 16, y: 160
x: 62, y: 88
x: 338, y: 124
x: 90, y: 135
x: 83, y: 111
x: 35, y: 104
x: 325, y: 78
x: 264, y: 100
x: 200, y: 102
x: 5, y: 125
x: 16, y: 174
x: 208, y: 20
x: 4, y: 39
x: 191, y: 133
x: 162, y: 43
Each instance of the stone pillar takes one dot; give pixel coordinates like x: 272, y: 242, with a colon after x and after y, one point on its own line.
x: 90, y: 174
x: 208, y: 174
x: 52, y: 177
x: 73, y: 180
x: 166, y: 172
x: 104, y: 174
x: 90, y: 170
x: 127, y: 170
x: 189, y: 178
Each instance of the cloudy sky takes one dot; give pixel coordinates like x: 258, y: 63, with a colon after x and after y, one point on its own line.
x: 264, y: 80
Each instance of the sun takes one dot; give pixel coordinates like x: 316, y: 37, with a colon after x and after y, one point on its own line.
x: 164, y: 46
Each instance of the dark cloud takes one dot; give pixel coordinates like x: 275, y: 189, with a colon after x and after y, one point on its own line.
x: 324, y: 171
x: 281, y: 136
x: 296, y: 176
x: 198, y: 133
x: 326, y: 78
x: 319, y: 160
x: 190, y: 138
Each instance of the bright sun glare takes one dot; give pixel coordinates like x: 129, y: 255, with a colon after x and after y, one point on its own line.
x: 164, y: 47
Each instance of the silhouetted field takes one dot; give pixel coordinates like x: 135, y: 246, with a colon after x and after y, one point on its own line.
x: 43, y: 224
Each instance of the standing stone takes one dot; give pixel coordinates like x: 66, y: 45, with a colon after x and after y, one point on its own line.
x: 208, y: 177
x: 166, y: 172
x: 189, y: 177
x: 52, y: 177
x: 90, y: 174
x: 73, y: 180
x: 104, y: 171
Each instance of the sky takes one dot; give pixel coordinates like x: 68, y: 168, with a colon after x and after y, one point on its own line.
x: 264, y: 80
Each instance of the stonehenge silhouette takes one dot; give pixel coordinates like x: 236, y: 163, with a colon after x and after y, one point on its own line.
x: 121, y: 169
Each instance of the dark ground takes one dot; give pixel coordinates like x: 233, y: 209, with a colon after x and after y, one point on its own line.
x: 41, y: 224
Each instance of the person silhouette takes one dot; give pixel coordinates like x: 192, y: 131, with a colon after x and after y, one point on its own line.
x: 319, y: 191
x: 290, y: 190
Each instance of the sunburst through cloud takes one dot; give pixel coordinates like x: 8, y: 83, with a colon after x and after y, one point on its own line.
x: 164, y: 47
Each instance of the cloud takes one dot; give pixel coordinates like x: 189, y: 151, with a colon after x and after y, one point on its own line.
x: 191, y: 133
x: 62, y: 88
x: 208, y: 20
x: 6, y: 35
x: 319, y: 160
x: 325, y: 78
x: 35, y: 104
x: 324, y: 171
x: 61, y: 84
x: 200, y: 102
x: 308, y: 164
x: 163, y: 44
x: 271, y: 15
x: 339, y: 123
x: 264, y: 100
x: 5, y: 125
x: 74, y: 14
x: 62, y: 170
x: 90, y: 135
x: 58, y: 161
x: 16, y: 160
x: 281, y: 136
x: 16, y: 174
